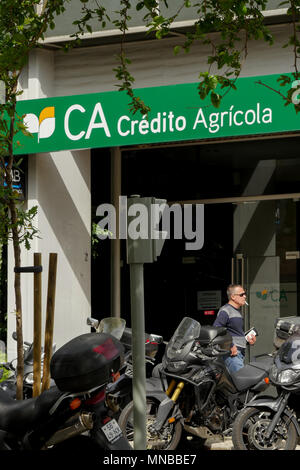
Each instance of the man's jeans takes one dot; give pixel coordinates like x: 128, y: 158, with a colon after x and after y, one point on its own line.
x: 234, y: 363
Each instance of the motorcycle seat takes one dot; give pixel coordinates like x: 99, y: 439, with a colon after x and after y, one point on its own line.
x: 264, y: 363
x: 17, y: 416
x: 247, y: 377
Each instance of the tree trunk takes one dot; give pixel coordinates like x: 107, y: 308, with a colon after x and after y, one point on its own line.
x: 17, y: 257
x: 19, y: 326
x: 18, y: 298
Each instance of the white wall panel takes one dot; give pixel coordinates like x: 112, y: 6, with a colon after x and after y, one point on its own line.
x: 90, y: 70
x: 59, y: 185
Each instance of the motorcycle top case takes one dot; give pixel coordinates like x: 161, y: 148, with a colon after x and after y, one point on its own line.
x: 284, y: 328
x: 86, y: 362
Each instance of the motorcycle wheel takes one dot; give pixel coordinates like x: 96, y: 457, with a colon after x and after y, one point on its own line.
x: 250, y: 426
x: 167, y: 439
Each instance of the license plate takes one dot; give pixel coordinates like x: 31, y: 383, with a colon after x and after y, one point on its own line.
x: 112, y: 430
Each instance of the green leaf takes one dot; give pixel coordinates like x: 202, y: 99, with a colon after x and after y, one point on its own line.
x: 215, y: 99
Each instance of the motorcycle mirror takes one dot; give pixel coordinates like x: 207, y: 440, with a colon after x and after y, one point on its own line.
x: 14, y: 335
x: 92, y: 322
x: 113, y: 326
x: 156, y: 338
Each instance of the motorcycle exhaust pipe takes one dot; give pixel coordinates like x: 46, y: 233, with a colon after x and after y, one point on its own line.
x: 79, y: 424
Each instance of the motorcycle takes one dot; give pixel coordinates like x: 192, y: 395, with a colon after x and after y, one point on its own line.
x: 73, y: 414
x: 273, y: 424
x: 197, y: 393
x: 119, y: 392
x: 9, y: 385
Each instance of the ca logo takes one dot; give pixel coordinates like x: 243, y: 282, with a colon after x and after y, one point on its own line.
x: 44, y: 125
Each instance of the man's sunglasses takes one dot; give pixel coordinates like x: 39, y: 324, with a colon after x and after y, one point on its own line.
x: 242, y: 294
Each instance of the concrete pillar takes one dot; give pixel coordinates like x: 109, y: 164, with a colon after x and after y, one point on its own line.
x: 59, y: 184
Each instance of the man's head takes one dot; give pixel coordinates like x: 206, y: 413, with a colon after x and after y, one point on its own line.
x: 236, y: 295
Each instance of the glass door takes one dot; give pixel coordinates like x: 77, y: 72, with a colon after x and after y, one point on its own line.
x: 265, y: 261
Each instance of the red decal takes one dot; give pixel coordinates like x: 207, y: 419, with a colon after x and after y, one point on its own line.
x: 108, y: 349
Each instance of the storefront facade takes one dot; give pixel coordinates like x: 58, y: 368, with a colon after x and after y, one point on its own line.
x: 240, y: 161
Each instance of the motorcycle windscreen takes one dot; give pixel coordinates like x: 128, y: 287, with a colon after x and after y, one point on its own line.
x: 113, y: 326
x: 180, y: 343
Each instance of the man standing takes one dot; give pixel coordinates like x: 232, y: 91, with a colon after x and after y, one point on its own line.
x: 230, y: 316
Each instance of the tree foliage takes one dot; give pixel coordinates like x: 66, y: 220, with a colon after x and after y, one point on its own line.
x: 22, y: 26
x: 225, y: 26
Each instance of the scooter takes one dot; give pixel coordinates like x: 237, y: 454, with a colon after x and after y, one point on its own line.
x: 119, y: 393
x: 73, y: 413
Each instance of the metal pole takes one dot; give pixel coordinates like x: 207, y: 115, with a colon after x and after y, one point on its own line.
x: 138, y: 354
x: 115, y: 242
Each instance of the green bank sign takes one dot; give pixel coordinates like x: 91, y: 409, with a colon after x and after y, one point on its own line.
x: 177, y: 114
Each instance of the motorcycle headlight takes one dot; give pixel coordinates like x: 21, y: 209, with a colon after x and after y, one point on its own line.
x: 288, y: 376
x: 176, y: 365
x: 29, y: 378
x: 273, y: 374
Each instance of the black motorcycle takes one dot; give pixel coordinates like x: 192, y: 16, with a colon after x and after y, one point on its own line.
x: 73, y: 414
x: 273, y: 424
x: 197, y: 393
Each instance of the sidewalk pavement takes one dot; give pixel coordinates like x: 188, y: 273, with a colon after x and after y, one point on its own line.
x: 225, y: 444
x: 192, y: 443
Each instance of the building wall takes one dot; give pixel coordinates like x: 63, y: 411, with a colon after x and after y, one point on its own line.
x: 90, y: 70
x: 59, y: 183
x: 63, y: 23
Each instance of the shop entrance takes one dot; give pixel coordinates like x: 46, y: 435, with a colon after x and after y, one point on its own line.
x: 250, y: 192
x: 266, y: 261
x: 253, y: 243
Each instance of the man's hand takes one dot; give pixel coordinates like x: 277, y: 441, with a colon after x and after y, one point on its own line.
x: 251, y: 339
x: 234, y: 350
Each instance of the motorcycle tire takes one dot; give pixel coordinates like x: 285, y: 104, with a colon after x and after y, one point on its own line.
x: 167, y: 439
x: 250, y: 426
